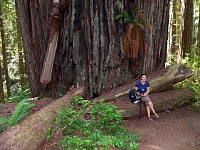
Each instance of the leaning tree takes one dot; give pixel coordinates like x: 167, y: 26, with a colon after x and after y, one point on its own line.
x: 80, y: 43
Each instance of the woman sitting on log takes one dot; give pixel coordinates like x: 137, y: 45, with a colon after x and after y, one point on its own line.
x: 142, y: 88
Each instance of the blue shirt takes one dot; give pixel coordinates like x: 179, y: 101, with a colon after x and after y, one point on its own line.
x: 142, y: 87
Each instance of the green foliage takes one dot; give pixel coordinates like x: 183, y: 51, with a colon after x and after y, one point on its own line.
x: 21, y: 110
x: 193, y: 62
x: 133, y: 19
x: 18, y: 94
x: 92, y: 125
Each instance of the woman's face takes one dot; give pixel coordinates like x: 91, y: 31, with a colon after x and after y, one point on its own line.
x: 143, y: 78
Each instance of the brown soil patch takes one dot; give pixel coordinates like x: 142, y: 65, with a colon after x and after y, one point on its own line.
x: 175, y: 130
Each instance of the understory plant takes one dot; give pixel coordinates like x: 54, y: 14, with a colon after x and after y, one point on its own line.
x: 193, y: 62
x: 21, y: 110
x: 91, y: 125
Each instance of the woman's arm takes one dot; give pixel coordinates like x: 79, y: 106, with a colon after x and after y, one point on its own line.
x: 136, y: 88
x: 148, y: 90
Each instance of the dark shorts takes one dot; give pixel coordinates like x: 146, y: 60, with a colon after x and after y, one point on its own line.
x: 145, y: 99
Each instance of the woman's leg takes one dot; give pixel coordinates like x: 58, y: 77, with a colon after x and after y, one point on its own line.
x: 148, y: 111
x: 151, y: 106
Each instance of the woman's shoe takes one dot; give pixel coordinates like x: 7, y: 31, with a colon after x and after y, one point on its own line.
x: 156, y: 115
x: 150, y: 119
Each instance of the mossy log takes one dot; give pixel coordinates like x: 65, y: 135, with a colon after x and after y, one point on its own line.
x: 30, y: 133
x: 162, y: 101
x: 159, y: 80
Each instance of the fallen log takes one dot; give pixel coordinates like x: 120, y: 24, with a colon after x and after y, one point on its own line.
x: 162, y: 101
x: 159, y: 81
x: 30, y: 133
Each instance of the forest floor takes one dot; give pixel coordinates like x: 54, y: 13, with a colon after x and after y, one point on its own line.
x: 175, y: 130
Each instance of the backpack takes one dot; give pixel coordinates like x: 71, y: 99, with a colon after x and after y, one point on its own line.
x: 133, y: 96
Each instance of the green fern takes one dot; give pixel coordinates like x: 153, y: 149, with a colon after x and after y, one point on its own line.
x: 21, y: 110
x: 132, y: 19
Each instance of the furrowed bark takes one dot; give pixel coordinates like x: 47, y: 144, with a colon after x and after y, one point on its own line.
x: 90, y: 43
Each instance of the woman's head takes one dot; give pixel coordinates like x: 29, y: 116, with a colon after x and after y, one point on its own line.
x: 143, y: 77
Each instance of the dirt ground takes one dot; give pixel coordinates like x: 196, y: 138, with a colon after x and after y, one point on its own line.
x: 175, y: 130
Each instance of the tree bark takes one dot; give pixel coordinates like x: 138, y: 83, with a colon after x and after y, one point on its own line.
x: 89, y: 49
x: 21, y: 58
x: 1, y: 86
x: 172, y: 39
x: 186, y: 27
x: 30, y: 44
x: 198, y: 36
x: 5, y: 64
x: 159, y: 81
x: 30, y: 133
x: 162, y: 101
x: 157, y: 14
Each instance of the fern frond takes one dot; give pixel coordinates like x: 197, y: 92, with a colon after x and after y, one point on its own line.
x: 124, y: 15
x: 21, y: 110
x: 120, y: 16
x: 135, y: 12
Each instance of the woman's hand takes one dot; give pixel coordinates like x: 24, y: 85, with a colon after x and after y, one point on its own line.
x: 145, y: 94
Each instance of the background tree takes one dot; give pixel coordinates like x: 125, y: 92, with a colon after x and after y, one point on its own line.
x: 198, y: 35
x: 174, y: 25
x: 1, y: 86
x: 186, y: 39
x: 5, y: 63
x: 20, y: 54
x: 89, y: 49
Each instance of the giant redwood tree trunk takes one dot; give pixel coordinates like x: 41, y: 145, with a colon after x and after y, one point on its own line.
x: 89, y: 50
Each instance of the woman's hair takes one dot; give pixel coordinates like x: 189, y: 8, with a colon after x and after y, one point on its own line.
x: 142, y: 75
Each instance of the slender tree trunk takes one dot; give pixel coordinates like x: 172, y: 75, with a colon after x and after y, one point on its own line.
x: 21, y: 58
x: 186, y: 27
x: 5, y: 64
x: 172, y: 44
x: 198, y: 35
x: 1, y: 86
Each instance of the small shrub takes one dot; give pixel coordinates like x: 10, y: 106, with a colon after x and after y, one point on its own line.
x: 92, y: 125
